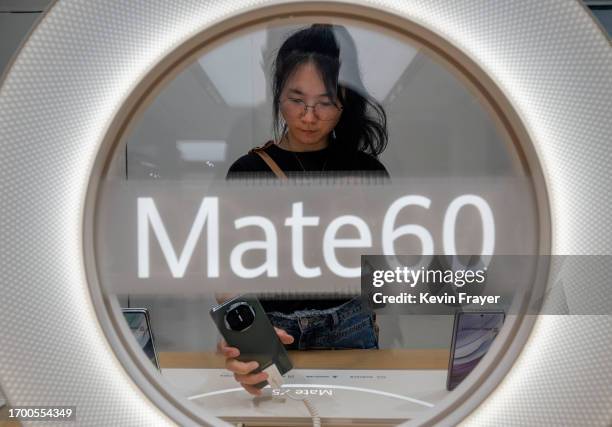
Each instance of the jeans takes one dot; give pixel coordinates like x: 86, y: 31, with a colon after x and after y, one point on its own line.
x: 347, y: 326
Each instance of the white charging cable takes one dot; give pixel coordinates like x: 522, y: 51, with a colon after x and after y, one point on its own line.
x: 314, y: 414
x: 276, y: 381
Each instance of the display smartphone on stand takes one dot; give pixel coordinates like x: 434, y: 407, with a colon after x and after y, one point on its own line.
x: 244, y: 324
x: 473, y: 334
x: 139, y: 322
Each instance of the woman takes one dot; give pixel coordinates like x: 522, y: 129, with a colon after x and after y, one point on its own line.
x: 320, y: 127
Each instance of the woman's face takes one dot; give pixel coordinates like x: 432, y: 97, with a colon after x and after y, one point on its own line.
x: 308, y: 130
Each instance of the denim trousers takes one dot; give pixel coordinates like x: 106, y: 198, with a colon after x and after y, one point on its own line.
x: 346, y: 326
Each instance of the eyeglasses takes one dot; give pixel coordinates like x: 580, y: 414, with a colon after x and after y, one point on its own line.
x: 297, y: 108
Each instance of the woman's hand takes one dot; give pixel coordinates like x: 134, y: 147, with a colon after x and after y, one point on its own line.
x: 242, y: 370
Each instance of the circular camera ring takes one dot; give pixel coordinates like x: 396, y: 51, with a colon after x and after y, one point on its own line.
x: 233, y: 307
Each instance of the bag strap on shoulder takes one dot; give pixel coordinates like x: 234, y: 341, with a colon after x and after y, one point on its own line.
x: 260, y: 151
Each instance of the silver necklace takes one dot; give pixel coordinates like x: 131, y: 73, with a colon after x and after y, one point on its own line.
x: 300, y: 162
x: 302, y: 166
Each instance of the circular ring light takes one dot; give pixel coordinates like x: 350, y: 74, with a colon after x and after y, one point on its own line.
x: 85, y: 63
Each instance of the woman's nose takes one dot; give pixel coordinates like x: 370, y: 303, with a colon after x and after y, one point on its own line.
x: 309, y: 116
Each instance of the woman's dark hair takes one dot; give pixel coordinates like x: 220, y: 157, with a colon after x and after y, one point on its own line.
x: 363, y: 123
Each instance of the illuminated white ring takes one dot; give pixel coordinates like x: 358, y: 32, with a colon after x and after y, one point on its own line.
x: 80, y: 66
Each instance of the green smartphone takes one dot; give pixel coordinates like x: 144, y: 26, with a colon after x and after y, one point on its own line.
x: 244, y: 324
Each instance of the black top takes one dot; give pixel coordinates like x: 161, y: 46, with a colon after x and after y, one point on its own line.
x: 328, y: 162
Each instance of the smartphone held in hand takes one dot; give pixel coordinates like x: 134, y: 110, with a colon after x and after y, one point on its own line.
x: 244, y: 324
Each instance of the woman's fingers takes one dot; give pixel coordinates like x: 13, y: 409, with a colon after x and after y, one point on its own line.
x: 251, y: 379
x: 238, y: 367
x: 220, y: 346
x: 252, y: 390
x: 284, y: 336
x: 242, y: 370
x: 227, y: 351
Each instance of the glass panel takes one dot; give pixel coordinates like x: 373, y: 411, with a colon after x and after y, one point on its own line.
x: 176, y: 237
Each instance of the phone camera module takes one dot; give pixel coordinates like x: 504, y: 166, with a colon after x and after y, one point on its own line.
x: 239, y: 317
